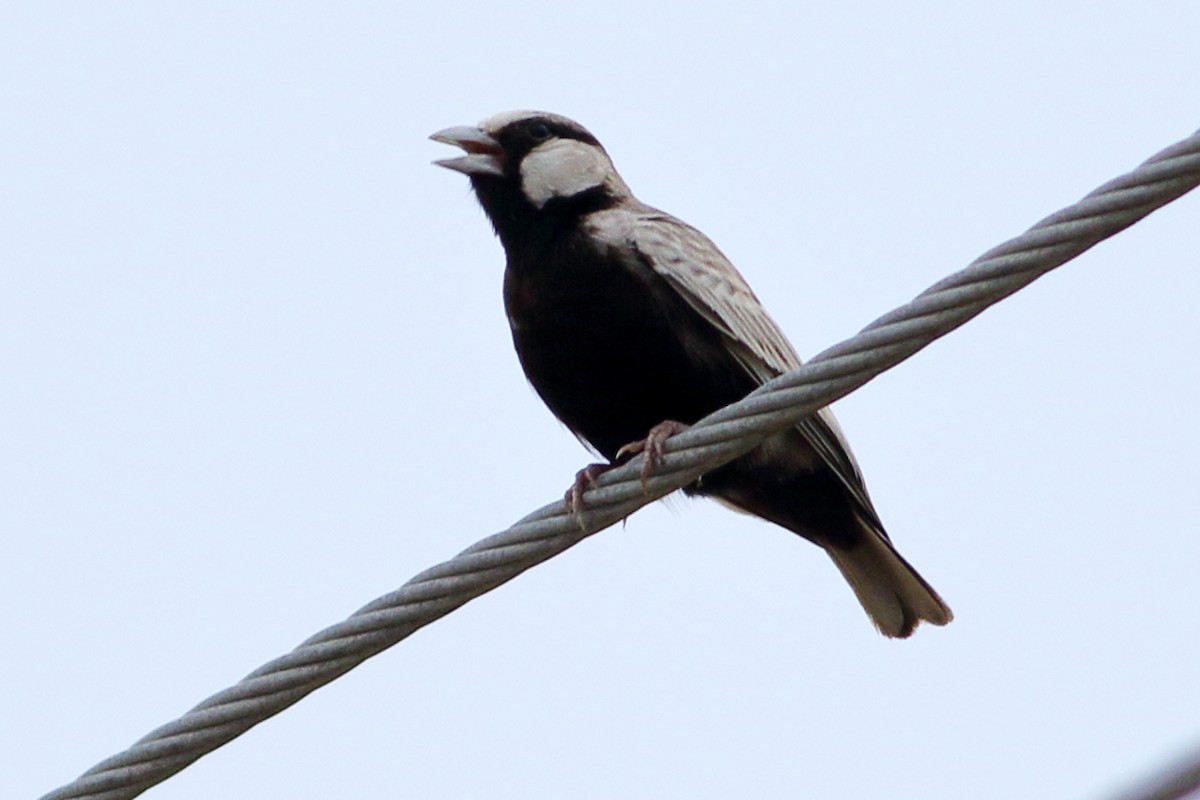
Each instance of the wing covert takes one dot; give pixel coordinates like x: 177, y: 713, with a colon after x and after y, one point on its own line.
x: 710, y: 284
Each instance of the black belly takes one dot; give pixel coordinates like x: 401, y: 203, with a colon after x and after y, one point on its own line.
x: 614, y: 352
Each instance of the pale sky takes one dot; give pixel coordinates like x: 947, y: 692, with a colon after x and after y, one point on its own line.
x: 256, y: 372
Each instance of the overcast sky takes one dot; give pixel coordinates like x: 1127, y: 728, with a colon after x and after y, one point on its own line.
x: 254, y: 372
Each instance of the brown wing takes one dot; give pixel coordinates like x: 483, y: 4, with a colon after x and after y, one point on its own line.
x: 710, y: 284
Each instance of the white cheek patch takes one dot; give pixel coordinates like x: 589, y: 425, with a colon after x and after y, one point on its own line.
x: 562, y: 168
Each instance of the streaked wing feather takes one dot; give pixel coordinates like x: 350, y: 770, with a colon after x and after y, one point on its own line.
x: 710, y: 284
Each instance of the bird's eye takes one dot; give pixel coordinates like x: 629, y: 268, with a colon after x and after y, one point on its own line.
x: 539, y: 131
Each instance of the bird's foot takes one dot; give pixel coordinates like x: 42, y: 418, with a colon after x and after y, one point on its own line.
x: 652, y: 446
x: 584, y: 480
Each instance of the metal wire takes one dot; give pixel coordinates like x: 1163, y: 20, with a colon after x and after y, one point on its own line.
x: 715, y: 440
x: 1175, y: 781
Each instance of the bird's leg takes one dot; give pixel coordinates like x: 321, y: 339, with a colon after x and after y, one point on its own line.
x: 652, y: 446
x: 584, y: 479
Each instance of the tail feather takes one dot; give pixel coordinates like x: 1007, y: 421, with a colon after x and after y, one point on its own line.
x: 807, y: 503
x: 894, y: 596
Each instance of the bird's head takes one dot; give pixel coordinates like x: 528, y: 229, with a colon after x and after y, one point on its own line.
x: 529, y: 167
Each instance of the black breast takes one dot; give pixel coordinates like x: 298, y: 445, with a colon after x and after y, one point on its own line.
x: 609, y: 345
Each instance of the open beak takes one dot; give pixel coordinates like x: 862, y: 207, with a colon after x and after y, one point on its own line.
x: 484, y: 156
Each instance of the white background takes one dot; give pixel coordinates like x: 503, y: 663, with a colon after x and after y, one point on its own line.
x: 254, y: 372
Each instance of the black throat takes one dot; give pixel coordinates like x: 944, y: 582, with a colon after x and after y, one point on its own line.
x: 523, y: 227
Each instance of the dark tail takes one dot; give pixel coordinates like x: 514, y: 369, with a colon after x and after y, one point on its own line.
x: 894, y: 596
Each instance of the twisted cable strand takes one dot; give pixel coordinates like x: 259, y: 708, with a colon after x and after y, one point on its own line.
x: 715, y: 440
x: 1174, y: 781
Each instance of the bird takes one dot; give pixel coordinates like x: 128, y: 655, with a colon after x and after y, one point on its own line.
x: 631, y: 325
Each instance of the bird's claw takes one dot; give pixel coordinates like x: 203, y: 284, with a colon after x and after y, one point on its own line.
x: 584, y: 480
x: 652, y: 446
